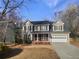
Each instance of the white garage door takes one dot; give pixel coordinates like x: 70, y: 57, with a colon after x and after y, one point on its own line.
x: 60, y: 37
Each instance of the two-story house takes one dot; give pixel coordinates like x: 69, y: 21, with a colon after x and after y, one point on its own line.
x: 46, y: 31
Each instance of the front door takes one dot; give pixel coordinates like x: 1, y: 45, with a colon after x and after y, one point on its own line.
x: 40, y: 37
x: 43, y: 37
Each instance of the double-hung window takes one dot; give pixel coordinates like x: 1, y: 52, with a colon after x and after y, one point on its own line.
x: 43, y: 28
x: 58, y: 28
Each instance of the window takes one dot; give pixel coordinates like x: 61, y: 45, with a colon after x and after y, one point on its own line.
x: 35, y: 28
x: 55, y: 27
x: 24, y: 28
x: 47, y: 28
x: 58, y: 28
x: 38, y: 28
x: 28, y: 27
x: 44, y: 28
x: 41, y: 28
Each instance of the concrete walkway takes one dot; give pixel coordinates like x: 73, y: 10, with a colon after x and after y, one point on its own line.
x: 66, y: 51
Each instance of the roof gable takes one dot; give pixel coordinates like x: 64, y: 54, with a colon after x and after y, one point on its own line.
x: 59, y: 22
x: 28, y: 23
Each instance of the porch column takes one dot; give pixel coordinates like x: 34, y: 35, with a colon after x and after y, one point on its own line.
x: 37, y: 37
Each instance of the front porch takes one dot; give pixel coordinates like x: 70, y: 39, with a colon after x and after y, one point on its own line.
x: 40, y: 38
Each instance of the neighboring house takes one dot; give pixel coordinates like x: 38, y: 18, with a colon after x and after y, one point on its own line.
x: 45, y: 31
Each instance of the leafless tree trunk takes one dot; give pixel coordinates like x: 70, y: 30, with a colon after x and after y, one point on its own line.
x: 71, y: 17
x: 9, y: 6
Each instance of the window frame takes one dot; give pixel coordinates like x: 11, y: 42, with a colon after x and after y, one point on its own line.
x: 58, y: 28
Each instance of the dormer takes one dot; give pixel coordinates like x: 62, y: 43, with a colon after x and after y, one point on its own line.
x: 28, y: 26
x: 58, y: 26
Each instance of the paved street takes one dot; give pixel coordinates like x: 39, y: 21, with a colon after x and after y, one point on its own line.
x: 66, y: 50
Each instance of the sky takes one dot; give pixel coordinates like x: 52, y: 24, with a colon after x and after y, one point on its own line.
x: 44, y: 9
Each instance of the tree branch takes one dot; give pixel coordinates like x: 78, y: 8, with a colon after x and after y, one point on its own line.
x: 15, y: 6
x: 5, y: 8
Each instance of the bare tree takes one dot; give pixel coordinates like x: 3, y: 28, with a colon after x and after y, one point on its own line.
x: 70, y: 17
x: 8, y: 11
x: 7, y: 8
x: 10, y: 5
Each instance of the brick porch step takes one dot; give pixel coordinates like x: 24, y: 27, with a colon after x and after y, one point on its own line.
x: 40, y: 42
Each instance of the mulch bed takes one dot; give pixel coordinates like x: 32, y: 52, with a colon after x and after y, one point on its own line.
x: 9, y: 53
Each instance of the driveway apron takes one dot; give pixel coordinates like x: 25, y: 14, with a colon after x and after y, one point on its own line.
x: 66, y: 50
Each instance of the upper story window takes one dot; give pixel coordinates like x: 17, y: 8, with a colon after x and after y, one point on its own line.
x: 29, y: 28
x: 41, y: 28
x: 35, y: 28
x: 45, y: 28
x: 24, y: 28
x: 57, y: 28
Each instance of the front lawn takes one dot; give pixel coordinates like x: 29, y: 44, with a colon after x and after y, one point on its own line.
x: 37, y: 52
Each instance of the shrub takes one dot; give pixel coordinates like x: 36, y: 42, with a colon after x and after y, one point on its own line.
x: 72, y: 35
x: 75, y: 36
x: 19, y: 41
x: 3, y: 47
x: 28, y: 41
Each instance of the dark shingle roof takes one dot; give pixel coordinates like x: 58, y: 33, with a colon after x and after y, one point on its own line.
x: 40, y: 22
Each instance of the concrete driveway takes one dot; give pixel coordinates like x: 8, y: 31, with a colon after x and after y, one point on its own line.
x: 66, y: 50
